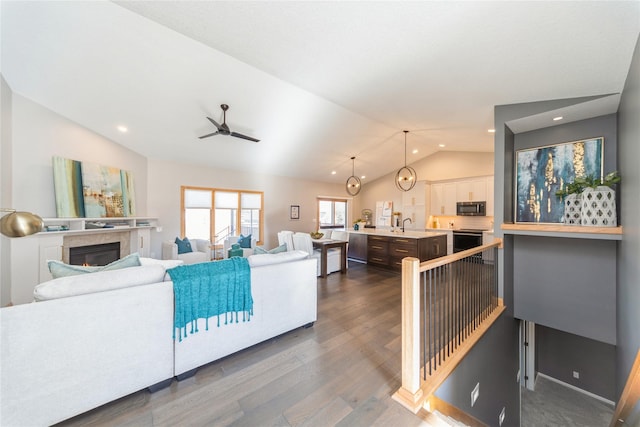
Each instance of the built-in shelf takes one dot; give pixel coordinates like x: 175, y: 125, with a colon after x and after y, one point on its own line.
x: 81, y: 225
x: 560, y: 230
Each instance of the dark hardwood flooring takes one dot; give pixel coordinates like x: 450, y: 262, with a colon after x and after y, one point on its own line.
x: 342, y: 371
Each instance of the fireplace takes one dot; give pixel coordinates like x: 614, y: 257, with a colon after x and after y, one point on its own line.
x: 101, y: 254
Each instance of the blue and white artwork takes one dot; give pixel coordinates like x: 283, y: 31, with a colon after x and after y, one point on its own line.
x: 540, y: 172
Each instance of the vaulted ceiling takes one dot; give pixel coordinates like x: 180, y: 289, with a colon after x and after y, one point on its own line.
x: 316, y: 82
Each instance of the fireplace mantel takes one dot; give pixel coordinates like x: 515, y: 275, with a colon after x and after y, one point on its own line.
x: 29, y: 255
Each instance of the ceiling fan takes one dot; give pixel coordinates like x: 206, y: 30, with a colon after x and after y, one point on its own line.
x: 223, y: 129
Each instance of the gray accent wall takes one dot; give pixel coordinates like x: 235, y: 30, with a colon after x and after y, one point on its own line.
x: 567, y: 284
x: 628, y: 313
x: 492, y: 362
x: 559, y: 353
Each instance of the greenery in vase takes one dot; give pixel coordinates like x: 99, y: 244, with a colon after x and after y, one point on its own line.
x: 580, y: 184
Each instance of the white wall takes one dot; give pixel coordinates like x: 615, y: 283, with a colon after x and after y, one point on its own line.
x: 165, y: 179
x: 440, y: 166
x: 5, y: 187
x: 39, y: 134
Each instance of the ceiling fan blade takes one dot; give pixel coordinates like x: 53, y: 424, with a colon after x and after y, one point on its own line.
x: 208, y: 135
x: 214, y: 123
x: 239, y: 135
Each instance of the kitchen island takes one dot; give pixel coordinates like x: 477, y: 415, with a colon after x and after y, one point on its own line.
x: 386, y: 248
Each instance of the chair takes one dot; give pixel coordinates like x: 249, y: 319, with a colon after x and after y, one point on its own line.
x: 302, y: 242
x: 201, y: 251
x: 341, y: 235
x: 286, y: 238
x: 234, y: 239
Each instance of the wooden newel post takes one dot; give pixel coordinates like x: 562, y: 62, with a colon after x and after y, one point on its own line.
x: 410, y: 394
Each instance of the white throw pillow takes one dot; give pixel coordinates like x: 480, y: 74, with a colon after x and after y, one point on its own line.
x: 267, y: 259
x: 100, y: 281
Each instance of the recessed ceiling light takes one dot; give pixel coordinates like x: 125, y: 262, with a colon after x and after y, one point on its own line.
x: 491, y: 130
x: 122, y: 129
x: 415, y: 151
x: 555, y: 119
x: 362, y: 177
x: 333, y: 172
x: 441, y: 145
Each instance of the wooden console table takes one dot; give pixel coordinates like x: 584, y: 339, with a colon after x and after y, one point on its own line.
x: 324, y: 246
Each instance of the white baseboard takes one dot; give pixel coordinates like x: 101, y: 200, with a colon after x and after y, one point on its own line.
x: 571, y: 386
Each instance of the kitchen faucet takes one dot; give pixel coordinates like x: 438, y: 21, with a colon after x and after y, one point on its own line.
x: 403, y: 221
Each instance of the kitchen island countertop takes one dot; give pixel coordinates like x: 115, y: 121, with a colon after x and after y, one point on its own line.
x: 410, y: 234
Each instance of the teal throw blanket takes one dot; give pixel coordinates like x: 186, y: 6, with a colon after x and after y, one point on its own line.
x: 211, y: 289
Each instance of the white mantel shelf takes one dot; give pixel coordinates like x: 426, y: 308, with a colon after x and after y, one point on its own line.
x: 78, y: 225
x: 566, y: 231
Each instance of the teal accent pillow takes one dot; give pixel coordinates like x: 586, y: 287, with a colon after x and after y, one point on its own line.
x: 184, y: 246
x: 60, y: 269
x: 245, y: 241
x: 260, y: 250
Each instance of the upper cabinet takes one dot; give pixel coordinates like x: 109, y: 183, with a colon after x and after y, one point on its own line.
x: 414, y: 205
x: 474, y: 190
x: 445, y: 195
x: 443, y: 199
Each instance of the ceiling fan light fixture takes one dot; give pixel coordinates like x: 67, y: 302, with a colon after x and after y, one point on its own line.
x: 353, y: 184
x: 406, y: 176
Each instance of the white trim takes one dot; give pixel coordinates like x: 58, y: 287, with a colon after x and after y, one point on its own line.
x: 595, y: 396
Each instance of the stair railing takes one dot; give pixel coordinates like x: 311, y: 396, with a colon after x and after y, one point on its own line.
x: 630, y: 396
x: 447, y: 305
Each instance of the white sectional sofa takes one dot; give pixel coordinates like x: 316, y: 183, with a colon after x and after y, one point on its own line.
x: 65, y: 356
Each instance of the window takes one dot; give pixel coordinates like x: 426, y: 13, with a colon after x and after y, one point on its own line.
x: 332, y: 213
x: 214, y: 214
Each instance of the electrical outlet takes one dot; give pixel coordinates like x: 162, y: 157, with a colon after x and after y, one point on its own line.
x: 475, y: 393
x: 576, y: 375
x: 501, y: 416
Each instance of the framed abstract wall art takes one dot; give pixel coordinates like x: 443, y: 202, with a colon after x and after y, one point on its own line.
x: 542, y: 171
x: 67, y: 183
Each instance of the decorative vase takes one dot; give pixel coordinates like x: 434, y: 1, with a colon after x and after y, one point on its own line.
x: 356, y: 227
x: 572, y: 207
x: 598, y: 207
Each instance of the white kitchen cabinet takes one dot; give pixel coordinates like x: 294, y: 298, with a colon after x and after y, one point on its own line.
x: 472, y: 190
x: 443, y: 199
x: 414, y: 206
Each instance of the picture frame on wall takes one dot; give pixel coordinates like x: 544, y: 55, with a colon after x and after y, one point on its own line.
x: 542, y: 171
x: 294, y: 212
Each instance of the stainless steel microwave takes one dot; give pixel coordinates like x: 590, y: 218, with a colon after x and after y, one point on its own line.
x: 471, y: 208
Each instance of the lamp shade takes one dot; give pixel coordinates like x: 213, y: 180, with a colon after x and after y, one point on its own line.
x: 20, y: 224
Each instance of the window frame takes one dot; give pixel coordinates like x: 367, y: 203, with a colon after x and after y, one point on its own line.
x: 212, y: 222
x: 332, y: 200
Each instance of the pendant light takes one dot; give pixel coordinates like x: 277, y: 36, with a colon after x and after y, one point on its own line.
x: 353, y: 182
x: 406, y: 176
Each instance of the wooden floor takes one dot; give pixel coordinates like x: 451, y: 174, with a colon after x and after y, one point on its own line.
x: 342, y: 371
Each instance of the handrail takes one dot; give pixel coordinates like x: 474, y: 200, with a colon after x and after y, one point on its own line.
x: 630, y: 395
x: 467, y: 283
x: 448, y: 259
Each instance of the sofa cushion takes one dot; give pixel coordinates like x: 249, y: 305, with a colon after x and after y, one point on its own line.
x: 245, y: 241
x: 165, y: 263
x: 260, y: 250
x: 100, y: 281
x: 184, y: 245
x: 267, y: 259
x: 60, y: 269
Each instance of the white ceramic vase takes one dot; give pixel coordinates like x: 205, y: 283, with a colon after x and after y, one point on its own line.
x: 598, y: 207
x: 572, y: 207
